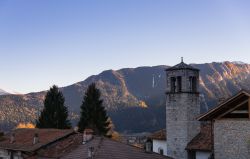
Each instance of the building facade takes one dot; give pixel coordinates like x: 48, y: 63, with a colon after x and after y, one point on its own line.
x: 159, y: 142
x: 159, y: 146
x: 230, y: 127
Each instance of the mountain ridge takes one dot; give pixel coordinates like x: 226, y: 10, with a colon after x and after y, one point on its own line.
x: 134, y: 97
x: 3, y: 92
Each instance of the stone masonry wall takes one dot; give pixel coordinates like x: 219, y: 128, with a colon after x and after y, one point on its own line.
x: 181, y: 112
x: 185, y: 74
x: 232, y: 139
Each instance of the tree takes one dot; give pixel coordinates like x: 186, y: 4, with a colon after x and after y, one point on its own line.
x: 93, y: 113
x: 55, y: 113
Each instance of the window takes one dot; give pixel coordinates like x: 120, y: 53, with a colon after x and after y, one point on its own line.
x: 193, y: 84
x: 179, y: 84
x: 173, y: 84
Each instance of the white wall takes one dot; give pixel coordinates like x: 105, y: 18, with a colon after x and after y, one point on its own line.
x: 202, y: 155
x: 5, y: 154
x: 160, y: 144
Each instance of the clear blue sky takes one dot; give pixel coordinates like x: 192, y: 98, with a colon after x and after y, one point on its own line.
x: 64, y: 41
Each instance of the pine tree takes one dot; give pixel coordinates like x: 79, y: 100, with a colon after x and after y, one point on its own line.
x: 55, y: 113
x: 93, y: 113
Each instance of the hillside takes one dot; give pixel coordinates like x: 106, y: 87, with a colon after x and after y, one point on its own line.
x: 134, y: 97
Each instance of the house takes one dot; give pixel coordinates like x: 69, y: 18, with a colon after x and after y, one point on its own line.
x: 66, y: 144
x: 227, y: 112
x: 159, y: 142
x: 230, y: 127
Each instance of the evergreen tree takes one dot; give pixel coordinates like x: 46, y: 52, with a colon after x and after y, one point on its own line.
x: 93, y: 113
x: 55, y: 113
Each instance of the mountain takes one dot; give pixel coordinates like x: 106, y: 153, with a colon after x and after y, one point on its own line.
x: 134, y: 97
x: 3, y: 92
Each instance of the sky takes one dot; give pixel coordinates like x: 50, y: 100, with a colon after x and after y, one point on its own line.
x: 61, y: 42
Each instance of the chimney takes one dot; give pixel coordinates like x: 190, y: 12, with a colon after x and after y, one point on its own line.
x: 91, y: 152
x: 12, y: 138
x: 87, y: 135
x: 76, y: 129
x: 35, y: 139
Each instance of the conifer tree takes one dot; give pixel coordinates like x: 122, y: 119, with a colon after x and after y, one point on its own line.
x: 93, y: 113
x: 55, y: 113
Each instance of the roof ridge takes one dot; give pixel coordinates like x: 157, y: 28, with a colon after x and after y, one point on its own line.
x: 182, y: 65
x: 242, y: 91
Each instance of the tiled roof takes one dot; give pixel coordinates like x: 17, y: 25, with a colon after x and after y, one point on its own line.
x: 107, y: 148
x: 180, y: 66
x: 61, y: 147
x: 66, y: 144
x: 202, y: 141
x: 24, y: 139
x: 159, y: 135
x: 225, y: 106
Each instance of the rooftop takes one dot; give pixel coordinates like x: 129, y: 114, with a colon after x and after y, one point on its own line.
x: 181, y: 66
x: 108, y: 148
x: 67, y: 144
x: 239, y: 101
x: 159, y: 135
x: 202, y: 141
x: 60, y: 148
x: 24, y: 139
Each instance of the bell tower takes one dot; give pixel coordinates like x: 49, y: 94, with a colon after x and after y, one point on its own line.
x: 182, y: 108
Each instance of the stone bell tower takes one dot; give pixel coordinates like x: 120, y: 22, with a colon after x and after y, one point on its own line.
x: 182, y: 108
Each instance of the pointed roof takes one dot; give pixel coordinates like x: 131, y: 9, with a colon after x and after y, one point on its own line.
x: 182, y: 66
x: 226, y: 106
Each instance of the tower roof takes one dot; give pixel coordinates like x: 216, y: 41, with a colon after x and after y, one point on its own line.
x: 181, y: 66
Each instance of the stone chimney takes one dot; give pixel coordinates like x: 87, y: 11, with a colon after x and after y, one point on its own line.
x: 87, y: 135
x: 35, y: 139
x: 12, y: 138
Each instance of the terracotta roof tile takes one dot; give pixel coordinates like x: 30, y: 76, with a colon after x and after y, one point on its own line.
x: 202, y: 141
x: 59, y: 148
x: 159, y: 135
x: 69, y: 145
x: 107, y: 148
x: 24, y: 138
